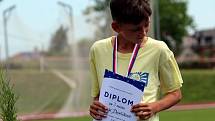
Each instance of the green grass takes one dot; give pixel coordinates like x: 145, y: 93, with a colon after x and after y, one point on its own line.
x: 198, y: 86
x: 38, y: 91
x: 83, y: 90
x: 189, y: 115
x: 86, y: 118
x: 47, y: 93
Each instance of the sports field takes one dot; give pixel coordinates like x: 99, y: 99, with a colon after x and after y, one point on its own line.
x: 38, y: 92
x: 189, y: 115
x: 198, y: 86
x: 45, y: 92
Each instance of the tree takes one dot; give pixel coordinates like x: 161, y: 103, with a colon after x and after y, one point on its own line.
x: 174, y: 20
x: 59, y: 42
x: 8, y: 99
x: 101, y: 18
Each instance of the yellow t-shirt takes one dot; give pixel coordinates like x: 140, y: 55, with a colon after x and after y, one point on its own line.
x: 155, y: 64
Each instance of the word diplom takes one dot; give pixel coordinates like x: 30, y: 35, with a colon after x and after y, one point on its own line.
x: 118, y: 98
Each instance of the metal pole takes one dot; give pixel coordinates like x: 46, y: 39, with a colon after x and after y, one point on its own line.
x: 157, y: 20
x: 76, y: 65
x: 6, y: 15
x: 152, y: 23
x: 69, y: 8
x: 0, y: 54
x: 5, y: 37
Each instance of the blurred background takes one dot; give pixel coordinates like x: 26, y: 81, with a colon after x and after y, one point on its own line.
x: 44, y: 45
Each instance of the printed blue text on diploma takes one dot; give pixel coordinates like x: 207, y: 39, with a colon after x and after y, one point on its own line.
x: 118, y: 98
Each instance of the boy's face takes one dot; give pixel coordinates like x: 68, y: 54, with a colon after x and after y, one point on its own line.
x: 131, y: 32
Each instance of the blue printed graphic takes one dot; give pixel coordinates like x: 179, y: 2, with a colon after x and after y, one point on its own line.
x: 140, y: 76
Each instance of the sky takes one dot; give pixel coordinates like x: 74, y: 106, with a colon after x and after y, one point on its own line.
x: 202, y: 12
x: 33, y: 22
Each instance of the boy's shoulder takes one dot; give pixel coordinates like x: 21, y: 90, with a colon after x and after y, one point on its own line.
x: 157, y: 43
x: 102, y: 42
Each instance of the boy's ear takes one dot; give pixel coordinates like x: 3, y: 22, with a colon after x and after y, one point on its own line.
x: 148, y: 26
x: 115, y: 26
x: 147, y: 29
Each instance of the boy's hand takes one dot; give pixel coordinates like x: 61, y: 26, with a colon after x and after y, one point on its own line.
x: 98, y: 110
x: 144, y: 111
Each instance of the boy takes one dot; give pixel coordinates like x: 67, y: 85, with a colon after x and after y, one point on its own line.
x: 131, y: 20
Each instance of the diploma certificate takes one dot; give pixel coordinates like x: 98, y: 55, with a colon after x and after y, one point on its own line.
x: 119, y: 93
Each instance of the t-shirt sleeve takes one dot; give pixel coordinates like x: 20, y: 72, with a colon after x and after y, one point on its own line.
x: 169, y: 73
x: 93, y: 74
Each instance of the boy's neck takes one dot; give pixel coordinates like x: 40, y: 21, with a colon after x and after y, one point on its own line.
x: 125, y: 46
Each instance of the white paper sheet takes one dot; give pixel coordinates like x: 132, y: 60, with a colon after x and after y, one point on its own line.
x: 119, y: 94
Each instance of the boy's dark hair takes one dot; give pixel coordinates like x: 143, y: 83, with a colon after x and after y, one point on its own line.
x: 130, y: 11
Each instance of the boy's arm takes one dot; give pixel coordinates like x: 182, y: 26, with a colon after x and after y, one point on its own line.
x: 147, y: 110
x: 169, y: 100
x: 170, y: 84
x: 97, y: 110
